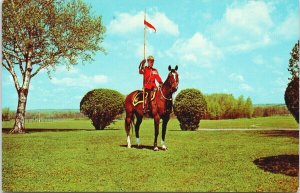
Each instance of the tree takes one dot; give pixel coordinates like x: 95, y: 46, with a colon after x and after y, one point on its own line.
x: 291, y: 95
x: 102, y: 106
x: 5, y: 114
x: 248, y: 108
x: 294, y: 62
x: 39, y: 35
x: 292, y: 98
x: 190, y: 107
x: 240, y: 107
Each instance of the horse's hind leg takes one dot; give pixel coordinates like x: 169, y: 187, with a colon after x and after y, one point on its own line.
x: 164, y: 130
x: 128, y: 121
x: 137, y: 128
x: 156, y: 130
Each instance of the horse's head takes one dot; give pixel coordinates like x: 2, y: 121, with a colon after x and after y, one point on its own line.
x: 173, y: 78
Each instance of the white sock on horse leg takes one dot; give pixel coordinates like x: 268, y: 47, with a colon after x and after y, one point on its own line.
x: 128, y: 142
x: 138, y: 141
x: 163, y: 145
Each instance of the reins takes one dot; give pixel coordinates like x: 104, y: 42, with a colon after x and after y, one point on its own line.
x: 162, y: 94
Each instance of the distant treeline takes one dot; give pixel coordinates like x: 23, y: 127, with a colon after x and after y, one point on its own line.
x: 220, y: 106
x: 225, y: 106
x: 270, y: 110
x: 43, y: 115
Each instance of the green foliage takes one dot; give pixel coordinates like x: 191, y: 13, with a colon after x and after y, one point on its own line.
x: 291, y: 95
x: 248, y: 108
x: 291, y: 98
x: 40, y: 35
x: 225, y: 106
x: 189, y: 107
x: 52, y: 32
x: 270, y: 110
x: 294, y: 62
x: 6, y: 114
x: 102, y: 106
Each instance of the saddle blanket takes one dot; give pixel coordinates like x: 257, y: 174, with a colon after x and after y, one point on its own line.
x: 138, y: 97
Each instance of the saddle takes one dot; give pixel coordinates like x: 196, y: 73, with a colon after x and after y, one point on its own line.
x: 138, y: 97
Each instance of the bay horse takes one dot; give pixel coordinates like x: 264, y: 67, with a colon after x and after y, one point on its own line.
x: 161, y: 108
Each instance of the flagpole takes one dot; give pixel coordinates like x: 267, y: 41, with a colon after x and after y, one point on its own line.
x: 145, y: 35
x: 144, y: 58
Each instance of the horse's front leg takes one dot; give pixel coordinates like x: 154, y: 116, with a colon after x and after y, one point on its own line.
x: 137, y: 129
x: 127, y: 128
x: 156, y: 130
x: 166, y: 119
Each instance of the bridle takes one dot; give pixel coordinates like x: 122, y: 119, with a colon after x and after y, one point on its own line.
x: 162, y: 94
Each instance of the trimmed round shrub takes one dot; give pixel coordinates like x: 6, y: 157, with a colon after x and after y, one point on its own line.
x: 102, y: 106
x: 291, y: 97
x: 189, y: 107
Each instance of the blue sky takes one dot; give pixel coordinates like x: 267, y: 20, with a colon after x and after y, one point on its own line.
x: 237, y: 47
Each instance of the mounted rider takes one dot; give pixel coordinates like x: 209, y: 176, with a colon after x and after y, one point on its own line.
x: 150, y: 76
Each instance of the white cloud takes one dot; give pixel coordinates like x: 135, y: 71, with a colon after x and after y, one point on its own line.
x: 236, y: 77
x: 74, y: 78
x: 80, y: 81
x: 289, y: 28
x: 253, y: 17
x: 64, y: 69
x: 258, y: 59
x: 244, y: 26
x: 139, y: 50
x: 240, y: 80
x: 164, y: 24
x: 246, y: 87
x: 126, y: 23
x: 196, y: 50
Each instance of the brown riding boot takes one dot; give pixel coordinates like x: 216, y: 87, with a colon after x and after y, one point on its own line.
x: 145, y: 110
x: 147, y: 105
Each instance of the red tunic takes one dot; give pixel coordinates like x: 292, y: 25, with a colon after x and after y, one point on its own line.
x: 150, y: 75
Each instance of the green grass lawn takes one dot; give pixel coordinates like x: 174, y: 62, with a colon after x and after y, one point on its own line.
x: 275, y: 122
x: 199, y: 161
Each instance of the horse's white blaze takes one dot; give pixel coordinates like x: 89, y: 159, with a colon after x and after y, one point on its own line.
x: 138, y: 141
x: 128, y: 142
x: 174, y: 75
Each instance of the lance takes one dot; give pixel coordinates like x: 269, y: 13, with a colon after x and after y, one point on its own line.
x: 144, y: 58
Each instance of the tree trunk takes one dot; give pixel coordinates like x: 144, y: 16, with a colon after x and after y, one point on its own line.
x: 19, y: 126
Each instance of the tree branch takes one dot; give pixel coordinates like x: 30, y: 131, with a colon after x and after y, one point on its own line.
x: 53, y: 57
x: 38, y: 70
x: 12, y: 71
x: 13, y: 55
x: 5, y: 66
x: 21, y: 66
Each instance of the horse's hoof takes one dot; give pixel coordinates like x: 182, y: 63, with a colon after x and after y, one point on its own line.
x: 128, y: 146
x: 155, y: 149
x: 164, y: 147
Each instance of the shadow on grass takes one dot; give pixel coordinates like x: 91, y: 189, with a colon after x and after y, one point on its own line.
x: 281, y: 133
x: 280, y: 164
x: 149, y: 147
